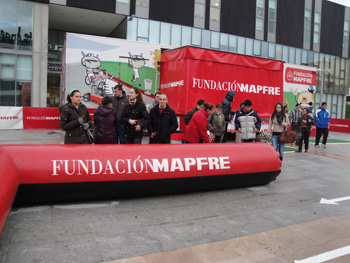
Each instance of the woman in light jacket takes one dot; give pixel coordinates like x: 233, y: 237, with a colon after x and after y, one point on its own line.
x: 216, y: 123
x: 278, y: 122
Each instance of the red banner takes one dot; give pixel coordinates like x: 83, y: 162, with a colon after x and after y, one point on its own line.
x: 300, y: 76
x: 339, y: 125
x: 189, y: 74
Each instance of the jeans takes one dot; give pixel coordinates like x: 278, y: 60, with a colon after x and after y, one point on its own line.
x: 121, y: 135
x: 136, y: 140
x: 278, y: 146
x: 319, y: 132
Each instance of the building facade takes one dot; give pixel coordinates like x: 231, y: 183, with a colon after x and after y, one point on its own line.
x: 304, y: 32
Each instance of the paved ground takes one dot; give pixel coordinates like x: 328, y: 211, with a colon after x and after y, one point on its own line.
x: 280, y: 222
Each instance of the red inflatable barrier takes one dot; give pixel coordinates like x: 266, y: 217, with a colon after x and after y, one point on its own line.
x: 52, y: 173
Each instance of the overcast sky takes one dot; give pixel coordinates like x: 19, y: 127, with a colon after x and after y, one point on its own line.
x: 341, y: 2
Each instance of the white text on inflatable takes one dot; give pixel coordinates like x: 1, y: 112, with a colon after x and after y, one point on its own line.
x: 138, y: 165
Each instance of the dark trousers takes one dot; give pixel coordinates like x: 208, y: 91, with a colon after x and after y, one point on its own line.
x: 225, y: 133
x: 121, y: 135
x: 319, y: 132
x: 249, y: 140
x: 217, y: 139
x: 305, y: 135
x: 136, y: 140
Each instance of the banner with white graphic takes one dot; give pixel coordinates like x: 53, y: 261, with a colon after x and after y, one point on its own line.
x: 11, y: 117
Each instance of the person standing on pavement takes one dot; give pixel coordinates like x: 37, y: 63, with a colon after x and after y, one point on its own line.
x: 163, y: 121
x: 279, y: 121
x: 75, y: 119
x: 247, y: 122
x: 322, y: 119
x: 216, y: 123
x: 106, y: 124
x: 295, y: 116
x: 154, y: 102
x: 227, y: 110
x: 135, y: 117
x: 119, y: 102
x: 303, y: 130
x: 197, y: 128
x: 189, y: 114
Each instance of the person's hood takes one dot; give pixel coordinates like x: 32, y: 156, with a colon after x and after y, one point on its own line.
x: 230, y: 95
x: 105, y: 110
x: 320, y: 108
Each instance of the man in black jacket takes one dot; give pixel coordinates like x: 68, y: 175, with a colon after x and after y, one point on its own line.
x: 119, y: 102
x: 227, y: 110
x: 189, y: 114
x: 163, y: 121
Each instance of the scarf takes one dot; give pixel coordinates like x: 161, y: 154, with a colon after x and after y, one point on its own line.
x: 132, y: 102
x: 279, y: 118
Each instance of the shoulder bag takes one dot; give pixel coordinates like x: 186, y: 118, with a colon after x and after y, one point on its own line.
x: 287, y: 137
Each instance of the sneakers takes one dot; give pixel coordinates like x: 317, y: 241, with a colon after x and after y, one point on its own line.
x: 317, y: 146
x: 298, y: 151
x: 324, y: 146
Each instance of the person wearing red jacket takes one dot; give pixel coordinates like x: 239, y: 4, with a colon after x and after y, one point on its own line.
x: 197, y: 128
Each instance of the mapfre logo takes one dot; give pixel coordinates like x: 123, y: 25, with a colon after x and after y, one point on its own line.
x: 9, y: 117
x: 300, y: 76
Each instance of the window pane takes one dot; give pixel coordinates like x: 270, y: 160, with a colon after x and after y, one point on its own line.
x: 7, y: 71
x: 7, y: 93
x: 142, y: 3
x: 24, y: 67
x: 199, y: 10
x: 317, y: 18
x: 298, y: 57
x: 304, y: 57
x: 223, y: 42
x: 215, y: 3
x: 206, y: 38
x: 271, y: 26
x: 272, y: 4
x: 279, y: 52
x: 233, y: 43
x: 271, y: 50
x: 260, y: 3
x: 123, y: 1
x: 241, y: 45
x: 165, y: 33
x: 132, y: 29
x: 215, y: 40
x: 316, y: 38
x: 25, y: 25
x: 142, y: 28
x: 265, y: 49
x: 200, y: 1
x: 186, y: 36
x: 196, y: 37
x: 259, y: 24
x: 249, y: 47
x: 292, y: 55
x: 8, y: 58
x: 215, y: 14
x: 257, y: 48
x: 175, y: 35
x: 8, y: 23
x: 23, y: 94
x: 154, y: 29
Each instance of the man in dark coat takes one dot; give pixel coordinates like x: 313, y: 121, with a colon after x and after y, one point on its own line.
x: 163, y: 121
x: 227, y: 110
x: 119, y: 102
x: 188, y: 116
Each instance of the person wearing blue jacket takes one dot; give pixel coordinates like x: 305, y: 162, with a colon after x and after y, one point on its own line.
x: 322, y: 119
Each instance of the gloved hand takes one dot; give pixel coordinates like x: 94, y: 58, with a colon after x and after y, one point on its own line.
x: 80, y: 120
x: 86, y: 126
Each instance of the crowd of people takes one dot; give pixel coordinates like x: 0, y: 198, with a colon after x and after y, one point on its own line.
x: 122, y: 119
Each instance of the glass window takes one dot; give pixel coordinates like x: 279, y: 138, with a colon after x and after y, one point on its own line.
x: 154, y: 29
x: 186, y: 36
x: 23, y: 93
x: 298, y: 56
x: 232, y: 44
x: 317, y: 25
x: 292, y: 55
x: 215, y: 10
x: 272, y: 17
x: 165, y: 29
x: 25, y: 25
x: 340, y: 107
x: 7, y: 71
x: 346, y: 35
x: 265, y: 49
x: 199, y: 8
x: 304, y: 57
x: 142, y: 28
x: 285, y: 53
x: 259, y: 24
x: 206, y: 38
x: 8, y: 17
x: 7, y: 93
x: 260, y: 3
x: 223, y: 42
x: 132, y: 29
x: 24, y: 67
x: 175, y: 35
x: 241, y: 45
x: 215, y: 40
x: 279, y: 52
x: 142, y: 3
x: 310, y: 58
x: 257, y: 48
x: 8, y: 58
x: 307, y: 25
x: 271, y: 50
x: 196, y: 37
x: 123, y: 1
x: 249, y: 47
x: 316, y: 59
x: 259, y: 21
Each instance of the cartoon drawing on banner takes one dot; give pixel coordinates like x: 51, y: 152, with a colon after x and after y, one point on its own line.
x: 94, y: 75
x: 136, y: 62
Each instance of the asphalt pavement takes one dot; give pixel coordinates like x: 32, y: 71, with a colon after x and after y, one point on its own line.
x: 127, y: 230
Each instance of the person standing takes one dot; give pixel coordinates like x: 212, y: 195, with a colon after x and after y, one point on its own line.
x: 295, y: 116
x: 163, y: 121
x: 279, y: 121
x: 227, y: 110
x: 106, y: 124
x: 197, y: 128
x: 119, y: 102
x: 154, y: 102
x: 322, y: 119
x: 304, y: 129
x: 247, y: 122
x: 216, y: 123
x: 189, y: 114
x: 135, y: 117
x: 75, y: 119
